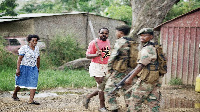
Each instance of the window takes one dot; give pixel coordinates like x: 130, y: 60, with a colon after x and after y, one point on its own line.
x: 14, y: 42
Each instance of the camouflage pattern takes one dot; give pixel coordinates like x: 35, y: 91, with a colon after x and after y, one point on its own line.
x: 146, y: 93
x: 143, y: 92
x: 115, y: 52
x: 145, y: 31
x: 120, y: 50
x: 147, y: 55
x: 111, y: 99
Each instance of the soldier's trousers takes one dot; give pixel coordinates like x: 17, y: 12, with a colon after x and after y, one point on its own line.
x: 148, y: 94
x: 111, y: 99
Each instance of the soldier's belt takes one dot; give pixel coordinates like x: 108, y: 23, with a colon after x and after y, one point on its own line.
x: 152, y: 67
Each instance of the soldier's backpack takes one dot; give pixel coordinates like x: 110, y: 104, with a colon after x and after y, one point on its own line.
x: 133, y: 52
x: 161, y: 60
x: 161, y: 63
x: 124, y: 60
x: 152, y: 71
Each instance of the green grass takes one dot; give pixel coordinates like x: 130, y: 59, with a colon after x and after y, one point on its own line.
x: 7, y: 80
x: 63, y: 49
x: 50, y: 79
x: 175, y: 81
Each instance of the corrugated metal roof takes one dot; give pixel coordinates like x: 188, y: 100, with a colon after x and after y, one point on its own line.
x: 4, y: 20
x: 33, y: 15
x: 158, y: 27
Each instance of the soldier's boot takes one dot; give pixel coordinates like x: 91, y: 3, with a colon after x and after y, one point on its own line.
x: 103, y: 109
x: 116, y: 110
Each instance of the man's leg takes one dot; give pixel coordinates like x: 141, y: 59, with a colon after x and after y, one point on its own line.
x: 88, y: 97
x: 153, y: 100
x: 93, y: 94
x: 110, y: 98
x: 140, y: 93
x: 101, y: 86
x: 102, y: 99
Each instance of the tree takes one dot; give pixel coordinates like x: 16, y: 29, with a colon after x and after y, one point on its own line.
x: 181, y: 8
x: 149, y: 13
x: 46, y: 6
x: 123, y: 12
x: 7, y: 8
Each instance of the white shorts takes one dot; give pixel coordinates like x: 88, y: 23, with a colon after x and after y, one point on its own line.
x: 98, y: 70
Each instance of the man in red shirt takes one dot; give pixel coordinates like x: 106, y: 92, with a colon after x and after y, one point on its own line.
x: 98, y: 66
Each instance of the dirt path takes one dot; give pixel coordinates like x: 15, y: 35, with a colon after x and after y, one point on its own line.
x: 70, y: 100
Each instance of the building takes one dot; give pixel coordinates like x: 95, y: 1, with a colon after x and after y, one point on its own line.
x: 50, y: 25
x: 180, y: 38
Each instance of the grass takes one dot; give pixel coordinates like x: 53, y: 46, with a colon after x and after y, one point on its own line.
x: 7, y: 80
x: 63, y: 49
x: 50, y: 79
x: 175, y: 81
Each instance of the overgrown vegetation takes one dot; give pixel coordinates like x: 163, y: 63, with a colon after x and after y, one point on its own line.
x: 50, y: 79
x: 7, y: 8
x: 123, y: 13
x: 175, y: 81
x: 182, y: 7
x: 7, y: 59
x: 63, y: 49
x: 116, y: 9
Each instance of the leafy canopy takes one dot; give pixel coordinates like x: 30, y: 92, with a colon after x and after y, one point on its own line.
x: 182, y: 7
x: 7, y: 8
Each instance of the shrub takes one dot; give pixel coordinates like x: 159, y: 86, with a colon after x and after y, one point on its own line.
x: 175, y: 81
x: 7, y: 59
x: 62, y: 49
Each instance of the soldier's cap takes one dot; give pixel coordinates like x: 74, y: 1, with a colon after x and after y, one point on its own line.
x: 145, y: 31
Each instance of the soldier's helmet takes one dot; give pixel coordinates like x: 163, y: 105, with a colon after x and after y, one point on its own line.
x: 145, y: 31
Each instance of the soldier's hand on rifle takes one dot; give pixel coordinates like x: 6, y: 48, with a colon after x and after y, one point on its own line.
x: 133, y: 73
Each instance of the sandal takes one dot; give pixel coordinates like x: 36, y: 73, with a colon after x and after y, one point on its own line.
x: 34, y: 102
x: 15, y: 98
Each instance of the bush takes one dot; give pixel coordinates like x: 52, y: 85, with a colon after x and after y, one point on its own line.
x: 62, y: 49
x: 175, y: 81
x: 7, y: 59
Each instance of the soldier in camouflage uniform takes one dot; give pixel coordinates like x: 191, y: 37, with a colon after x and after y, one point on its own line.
x: 117, y: 67
x: 146, y: 90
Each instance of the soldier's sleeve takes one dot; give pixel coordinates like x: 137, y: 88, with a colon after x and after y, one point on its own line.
x: 147, y: 54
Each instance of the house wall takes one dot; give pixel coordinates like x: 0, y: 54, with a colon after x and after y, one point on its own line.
x: 17, y: 28
x: 180, y: 39
x: 76, y: 25
x: 61, y: 25
x: 67, y: 24
x: 99, y: 22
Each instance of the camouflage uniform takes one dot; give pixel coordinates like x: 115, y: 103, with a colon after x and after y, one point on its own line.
x: 144, y: 91
x: 121, y: 49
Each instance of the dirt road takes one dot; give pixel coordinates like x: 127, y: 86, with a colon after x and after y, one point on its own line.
x: 178, y: 99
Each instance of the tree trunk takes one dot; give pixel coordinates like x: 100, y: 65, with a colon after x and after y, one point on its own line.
x: 149, y: 13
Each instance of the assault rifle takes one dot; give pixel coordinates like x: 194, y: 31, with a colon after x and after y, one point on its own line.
x: 121, y: 83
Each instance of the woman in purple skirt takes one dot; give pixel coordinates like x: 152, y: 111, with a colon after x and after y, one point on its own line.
x: 28, y: 65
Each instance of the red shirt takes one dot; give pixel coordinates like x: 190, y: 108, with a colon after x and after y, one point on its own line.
x: 104, y: 46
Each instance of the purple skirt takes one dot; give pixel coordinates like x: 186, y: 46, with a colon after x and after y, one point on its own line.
x: 28, y: 77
